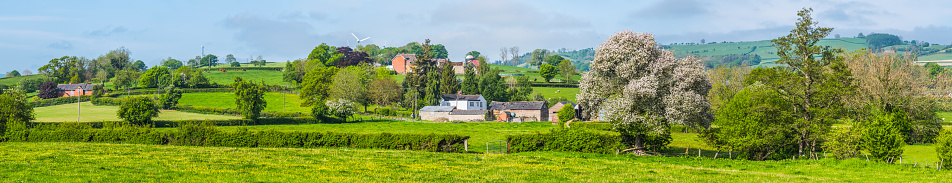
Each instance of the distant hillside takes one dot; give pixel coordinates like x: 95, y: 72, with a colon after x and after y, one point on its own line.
x: 764, y: 48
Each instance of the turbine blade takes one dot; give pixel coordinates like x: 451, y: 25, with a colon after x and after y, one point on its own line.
x: 365, y: 39
x: 355, y: 36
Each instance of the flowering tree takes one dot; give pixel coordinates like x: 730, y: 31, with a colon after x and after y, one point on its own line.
x: 342, y: 108
x: 642, y: 90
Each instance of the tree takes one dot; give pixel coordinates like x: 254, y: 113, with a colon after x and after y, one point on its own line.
x: 566, y: 113
x: 492, y: 87
x: 473, y: 53
x: 235, y: 64
x: 155, y: 77
x: 934, y: 68
x: 126, y: 79
x: 567, y: 70
x: 341, y: 108
x: 751, y: 122
x: 138, y: 110
x: 15, y: 110
x: 503, y: 55
x: 188, y: 77
x: 843, y: 143
x: 943, y: 147
x: 249, y: 98
x: 432, y: 90
x: 194, y: 62
x: 702, y: 41
x: 316, y: 85
x: 63, y: 68
x: 170, y: 98
x: 524, y: 89
x: 538, y: 56
x: 448, y: 83
x: 882, y: 135
x: 230, y: 59
x: 470, y: 81
x: 547, y: 71
x: 643, y: 89
x: 290, y: 73
x: 725, y: 83
x: 99, y: 91
x: 139, y: 66
x: 554, y: 59
x: 48, y: 90
x: 75, y: 79
x: 439, y: 51
x: 878, y: 41
x: 118, y: 58
x: 351, y: 57
x: 171, y: 63
x: 384, y: 91
x: 209, y: 60
x: 814, y: 86
x: 889, y: 80
x: 515, y: 54
x: 347, y: 84
x: 324, y: 55
x: 13, y: 73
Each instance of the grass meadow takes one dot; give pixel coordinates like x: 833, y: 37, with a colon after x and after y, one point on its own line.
x: 93, y: 113
x: 70, y: 162
x: 276, y: 101
x: 256, y: 76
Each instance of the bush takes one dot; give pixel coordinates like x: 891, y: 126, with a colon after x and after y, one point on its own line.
x: 604, y: 126
x: 205, y: 134
x: 566, y: 113
x: 58, y: 101
x: 32, y: 84
x: 943, y: 147
x: 843, y: 143
x: 138, y: 110
x: 569, y: 140
x: 882, y: 135
x: 108, y: 101
x: 47, y: 90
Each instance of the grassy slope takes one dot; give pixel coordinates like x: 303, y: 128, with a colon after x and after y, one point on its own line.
x: 227, y: 100
x: 532, y: 76
x: 764, y: 48
x: 55, y: 162
x: 553, y: 92
x: 269, y: 77
x: 937, y: 56
x: 14, y: 80
x: 92, y: 113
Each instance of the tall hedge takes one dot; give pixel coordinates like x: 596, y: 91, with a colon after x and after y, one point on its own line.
x: 571, y: 140
x: 193, y: 134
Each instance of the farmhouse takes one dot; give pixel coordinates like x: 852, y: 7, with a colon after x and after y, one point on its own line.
x: 67, y: 90
x: 464, y: 102
x: 553, y: 111
x: 524, y: 111
x: 450, y: 113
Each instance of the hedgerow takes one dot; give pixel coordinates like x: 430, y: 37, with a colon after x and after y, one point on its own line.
x: 572, y: 140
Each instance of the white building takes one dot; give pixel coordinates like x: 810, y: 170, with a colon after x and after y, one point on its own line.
x: 464, y: 102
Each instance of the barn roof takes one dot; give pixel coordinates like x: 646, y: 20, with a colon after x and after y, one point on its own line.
x: 467, y: 112
x: 452, y: 97
x: 539, y: 105
x: 70, y: 87
x: 438, y: 108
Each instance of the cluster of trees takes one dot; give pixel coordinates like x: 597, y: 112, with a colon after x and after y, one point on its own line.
x: 788, y: 112
x: 878, y: 41
x: 71, y: 69
x: 732, y: 60
x: 383, y: 56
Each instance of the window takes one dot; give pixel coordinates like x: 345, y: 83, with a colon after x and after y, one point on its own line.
x: 480, y: 104
x: 470, y: 103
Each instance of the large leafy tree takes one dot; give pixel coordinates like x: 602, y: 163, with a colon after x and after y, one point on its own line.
x: 323, y: 55
x: 316, y: 85
x: 348, y: 84
x: 155, y: 77
x: 47, y: 90
x: 189, y: 77
x: 538, y: 56
x: 351, y: 57
x: 13, y: 73
x: 126, y: 79
x: 63, y: 68
x: 171, y: 63
x: 815, y: 81
x: 755, y: 122
x: 554, y: 59
x: 138, y: 110
x: 118, y: 59
x: 249, y: 98
x: 384, y: 91
x: 432, y: 89
x: 230, y: 59
x: 15, y: 109
x: 474, y: 53
x: 547, y: 72
x: 567, y: 70
x: 138, y: 65
x: 209, y: 60
x: 642, y: 90
x: 492, y: 87
x: 883, y: 134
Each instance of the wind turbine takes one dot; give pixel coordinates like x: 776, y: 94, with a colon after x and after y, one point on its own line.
x: 358, y: 39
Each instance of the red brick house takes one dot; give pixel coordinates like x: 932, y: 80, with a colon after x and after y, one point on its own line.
x: 403, y: 63
x: 67, y: 90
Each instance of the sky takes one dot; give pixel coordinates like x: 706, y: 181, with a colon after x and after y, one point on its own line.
x: 33, y: 32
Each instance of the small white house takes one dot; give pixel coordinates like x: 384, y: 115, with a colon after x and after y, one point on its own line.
x: 464, y: 102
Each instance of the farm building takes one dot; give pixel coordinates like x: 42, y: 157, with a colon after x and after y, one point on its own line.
x: 553, y: 111
x: 467, y: 115
x: 431, y: 113
x: 450, y: 113
x: 67, y: 90
x: 403, y: 63
x: 524, y: 111
x: 464, y: 102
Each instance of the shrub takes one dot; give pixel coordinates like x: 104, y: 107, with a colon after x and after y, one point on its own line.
x: 249, y: 97
x: 943, y: 147
x: 882, y: 135
x: 570, y: 140
x: 566, y: 113
x: 843, y: 143
x: 138, y: 110
x: 341, y: 108
x: 170, y: 98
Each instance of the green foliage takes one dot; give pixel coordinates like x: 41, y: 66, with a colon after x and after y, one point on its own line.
x: 470, y: 81
x: 126, y: 79
x: 934, y: 68
x: 319, y: 110
x: 493, y: 88
x: 187, y: 77
x: 171, y: 63
x: 14, y: 110
x: 316, y: 85
x: 138, y: 65
x: 566, y: 69
x: 554, y: 59
x: 943, y: 147
x: 878, y: 41
x: 11, y: 74
x: 524, y: 89
x: 569, y: 140
x: 566, y: 113
x: 351, y: 84
x: 547, y: 71
x: 341, y: 108
x: 31, y: 85
x: 138, y: 110
x: 98, y: 91
x: 473, y: 53
x: 235, y: 64
x: 324, y: 55
x: 209, y: 60
x: 883, y: 135
x: 432, y: 89
x: 57, y: 101
x: 170, y: 98
x: 155, y: 77
x: 61, y: 69
x: 249, y: 97
x: 756, y: 122
x: 843, y: 142
x: 448, y: 83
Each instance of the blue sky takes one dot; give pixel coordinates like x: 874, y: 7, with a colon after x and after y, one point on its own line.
x: 33, y: 32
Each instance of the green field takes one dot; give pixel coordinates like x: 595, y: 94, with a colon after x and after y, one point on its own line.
x: 269, y: 64
x: 554, y: 92
x: 937, y: 56
x: 276, y: 101
x: 532, y: 76
x: 14, y: 80
x: 94, y: 162
x: 764, y: 48
x: 93, y: 113
x: 269, y: 77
